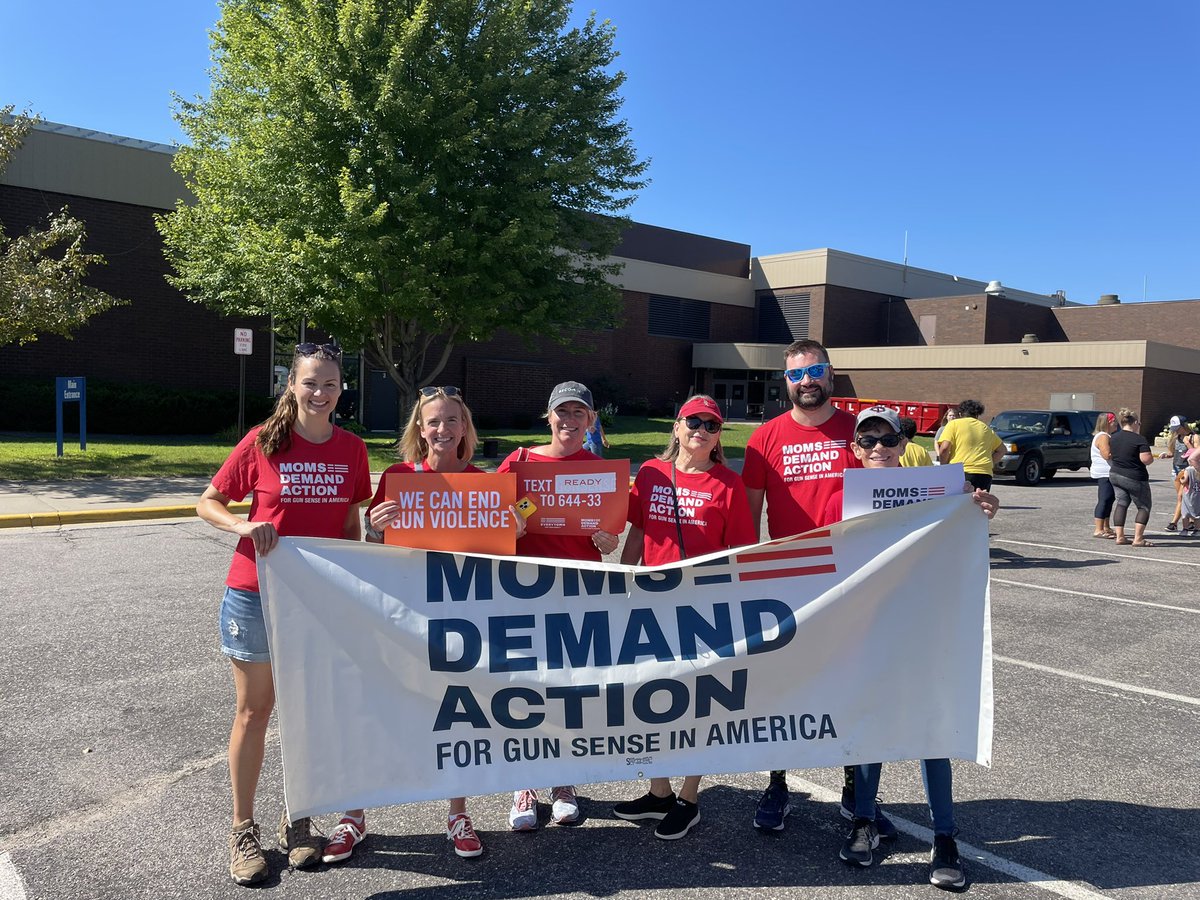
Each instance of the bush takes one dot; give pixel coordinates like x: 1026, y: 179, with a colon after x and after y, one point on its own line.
x: 115, y: 408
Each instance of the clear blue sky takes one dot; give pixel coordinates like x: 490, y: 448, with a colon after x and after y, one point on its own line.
x: 1051, y: 145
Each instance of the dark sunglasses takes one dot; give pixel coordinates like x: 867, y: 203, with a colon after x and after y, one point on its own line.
x: 868, y: 441
x: 331, y: 350
x: 695, y: 423
x: 448, y: 389
x: 816, y: 371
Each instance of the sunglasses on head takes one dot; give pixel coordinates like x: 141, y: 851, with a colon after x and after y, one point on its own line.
x: 333, y: 351
x: 448, y: 389
x: 695, y: 423
x: 868, y: 441
x: 815, y: 371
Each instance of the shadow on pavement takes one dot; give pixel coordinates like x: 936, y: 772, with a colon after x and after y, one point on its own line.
x: 1003, y: 560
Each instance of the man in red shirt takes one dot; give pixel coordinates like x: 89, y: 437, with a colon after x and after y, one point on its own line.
x: 795, y: 463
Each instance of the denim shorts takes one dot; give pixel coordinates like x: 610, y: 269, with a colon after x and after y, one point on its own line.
x: 243, y: 631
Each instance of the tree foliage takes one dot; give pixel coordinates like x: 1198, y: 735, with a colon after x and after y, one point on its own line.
x: 416, y: 173
x: 42, y: 271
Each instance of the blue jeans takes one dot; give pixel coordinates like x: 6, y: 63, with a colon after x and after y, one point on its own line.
x: 939, y: 791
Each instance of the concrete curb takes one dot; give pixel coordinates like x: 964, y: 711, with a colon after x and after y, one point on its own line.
x: 82, y: 516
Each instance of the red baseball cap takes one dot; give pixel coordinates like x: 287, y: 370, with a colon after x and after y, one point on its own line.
x: 698, y: 405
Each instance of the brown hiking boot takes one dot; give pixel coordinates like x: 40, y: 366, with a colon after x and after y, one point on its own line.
x: 302, y: 846
x: 247, y: 864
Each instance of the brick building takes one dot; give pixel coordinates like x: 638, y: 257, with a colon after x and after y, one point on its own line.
x: 698, y: 314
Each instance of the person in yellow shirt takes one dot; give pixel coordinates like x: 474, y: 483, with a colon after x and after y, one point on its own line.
x: 971, y: 442
x: 914, y: 454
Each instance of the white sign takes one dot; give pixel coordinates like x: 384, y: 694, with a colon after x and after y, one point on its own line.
x: 870, y: 490
x: 463, y: 675
x: 243, y: 341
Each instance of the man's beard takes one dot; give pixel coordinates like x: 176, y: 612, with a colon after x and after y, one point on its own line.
x: 812, y: 400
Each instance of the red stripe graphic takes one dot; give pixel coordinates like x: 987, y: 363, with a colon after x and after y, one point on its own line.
x: 798, y: 553
x: 786, y: 573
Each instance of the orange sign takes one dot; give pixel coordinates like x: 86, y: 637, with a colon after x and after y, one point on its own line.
x: 463, y: 513
x: 573, y: 497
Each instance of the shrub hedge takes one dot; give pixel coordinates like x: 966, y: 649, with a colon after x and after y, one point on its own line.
x: 115, y: 408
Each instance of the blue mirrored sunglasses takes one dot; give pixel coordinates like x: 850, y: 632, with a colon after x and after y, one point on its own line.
x: 815, y: 371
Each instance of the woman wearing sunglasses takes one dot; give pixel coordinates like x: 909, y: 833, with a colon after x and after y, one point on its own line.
x: 439, y: 437
x: 570, y: 414
x: 276, y: 463
x: 685, y: 503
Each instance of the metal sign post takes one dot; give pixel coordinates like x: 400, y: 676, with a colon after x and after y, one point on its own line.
x: 70, y: 390
x: 243, y: 346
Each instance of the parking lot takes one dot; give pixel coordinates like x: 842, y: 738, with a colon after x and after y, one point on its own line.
x: 116, y: 708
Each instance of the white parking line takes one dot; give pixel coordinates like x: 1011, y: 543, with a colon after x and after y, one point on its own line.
x: 1033, y: 877
x: 1042, y: 587
x: 1135, y: 553
x: 1104, y: 682
x: 11, y: 885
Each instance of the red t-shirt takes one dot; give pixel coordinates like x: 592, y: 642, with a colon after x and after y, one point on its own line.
x: 800, y: 468
x: 713, y: 511
x: 406, y: 468
x: 553, y: 546
x: 305, y: 491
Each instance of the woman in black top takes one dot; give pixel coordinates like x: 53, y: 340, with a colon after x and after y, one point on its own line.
x: 1129, y: 477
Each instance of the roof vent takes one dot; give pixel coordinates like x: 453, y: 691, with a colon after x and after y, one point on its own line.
x: 1030, y: 339
x: 994, y: 289
x: 1109, y: 299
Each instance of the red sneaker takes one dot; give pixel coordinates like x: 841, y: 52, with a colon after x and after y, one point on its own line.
x: 466, y: 841
x: 344, y: 838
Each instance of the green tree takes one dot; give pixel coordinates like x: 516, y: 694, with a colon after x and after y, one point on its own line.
x: 411, y: 174
x: 42, y: 271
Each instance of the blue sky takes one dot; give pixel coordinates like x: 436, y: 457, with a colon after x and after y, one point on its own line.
x: 1051, y: 145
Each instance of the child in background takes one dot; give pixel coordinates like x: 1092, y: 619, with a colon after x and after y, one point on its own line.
x: 1190, y: 493
x: 914, y: 454
x: 878, y: 444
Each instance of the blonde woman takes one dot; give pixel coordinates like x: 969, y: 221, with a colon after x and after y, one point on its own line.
x: 692, y: 468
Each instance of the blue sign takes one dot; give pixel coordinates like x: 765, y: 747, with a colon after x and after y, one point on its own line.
x: 70, y: 390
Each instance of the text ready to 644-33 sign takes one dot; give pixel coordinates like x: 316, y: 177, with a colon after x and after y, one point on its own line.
x: 573, y: 497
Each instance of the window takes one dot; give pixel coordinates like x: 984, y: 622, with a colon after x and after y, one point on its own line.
x: 783, y: 319
x: 675, y: 317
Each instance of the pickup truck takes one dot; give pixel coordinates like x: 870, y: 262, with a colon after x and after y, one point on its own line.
x: 1040, y: 442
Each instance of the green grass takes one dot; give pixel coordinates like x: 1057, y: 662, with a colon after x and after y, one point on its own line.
x: 32, y: 457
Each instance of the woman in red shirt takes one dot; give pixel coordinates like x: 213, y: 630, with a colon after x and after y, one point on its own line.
x: 440, y: 437
x: 308, y: 479
x: 570, y: 413
x: 685, y: 503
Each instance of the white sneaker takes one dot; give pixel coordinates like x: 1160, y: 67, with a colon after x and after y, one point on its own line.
x: 565, y: 810
x: 523, y: 815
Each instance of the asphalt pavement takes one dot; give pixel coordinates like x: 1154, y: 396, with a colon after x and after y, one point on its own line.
x: 117, y: 703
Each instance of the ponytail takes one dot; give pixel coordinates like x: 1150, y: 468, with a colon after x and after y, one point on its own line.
x: 276, y: 432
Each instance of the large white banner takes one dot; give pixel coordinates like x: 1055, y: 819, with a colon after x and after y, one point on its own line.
x: 407, y: 675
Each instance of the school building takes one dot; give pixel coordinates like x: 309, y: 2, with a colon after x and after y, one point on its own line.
x: 699, y: 314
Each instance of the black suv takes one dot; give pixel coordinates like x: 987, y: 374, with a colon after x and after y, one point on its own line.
x: 1039, y: 442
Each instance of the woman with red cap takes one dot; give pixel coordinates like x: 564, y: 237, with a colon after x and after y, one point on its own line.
x: 685, y: 503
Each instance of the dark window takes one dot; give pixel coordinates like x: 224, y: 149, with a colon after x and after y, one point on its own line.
x: 783, y: 319
x: 678, y: 318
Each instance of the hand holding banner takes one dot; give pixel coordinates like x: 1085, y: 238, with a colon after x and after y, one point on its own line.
x: 573, y: 497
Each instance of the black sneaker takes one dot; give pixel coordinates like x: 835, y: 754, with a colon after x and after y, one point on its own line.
x: 679, y: 821
x: 647, y: 807
x: 945, y: 868
x: 883, y: 825
x: 863, y: 838
x: 1171, y: 526
x: 773, y: 808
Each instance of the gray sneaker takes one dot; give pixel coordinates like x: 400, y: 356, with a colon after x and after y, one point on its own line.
x: 302, y: 846
x: 247, y: 864
x: 945, y: 867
